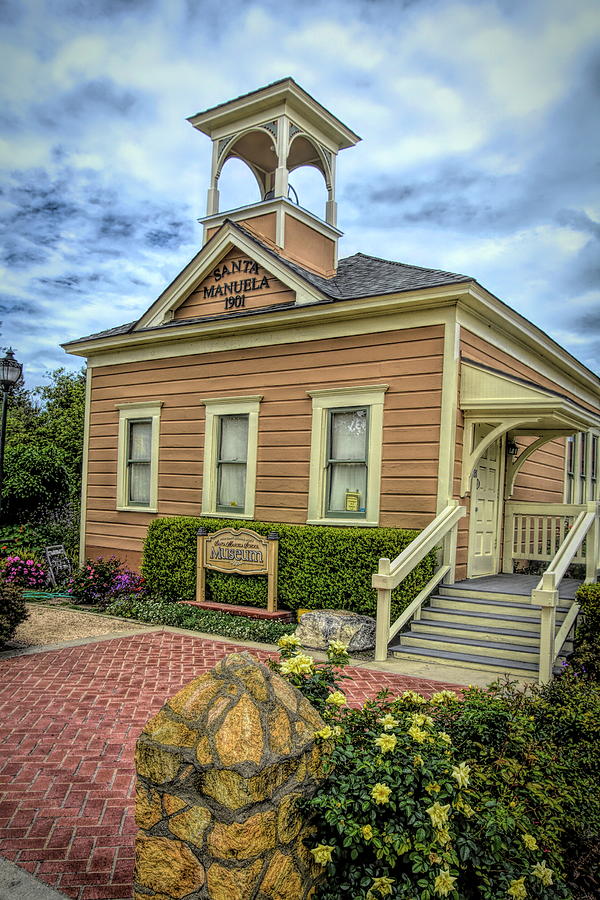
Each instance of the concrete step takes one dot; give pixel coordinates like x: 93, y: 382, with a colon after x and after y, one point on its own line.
x: 479, y: 631
x: 495, y: 665
x: 472, y: 645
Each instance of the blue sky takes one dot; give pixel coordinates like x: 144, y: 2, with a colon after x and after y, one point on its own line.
x: 480, y: 149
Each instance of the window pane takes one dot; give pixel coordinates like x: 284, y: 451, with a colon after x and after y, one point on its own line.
x: 347, y: 477
x: 140, y: 437
x: 349, y: 434
x: 231, y: 486
x: 139, y: 482
x: 234, y: 438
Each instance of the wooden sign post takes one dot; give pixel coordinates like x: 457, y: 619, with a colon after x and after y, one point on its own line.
x: 239, y: 551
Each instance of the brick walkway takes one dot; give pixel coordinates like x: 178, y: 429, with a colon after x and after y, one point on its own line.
x: 71, y: 718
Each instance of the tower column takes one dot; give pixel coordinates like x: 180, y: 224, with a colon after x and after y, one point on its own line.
x: 280, y: 186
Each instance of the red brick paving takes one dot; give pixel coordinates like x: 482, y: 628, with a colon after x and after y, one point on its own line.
x: 71, y: 718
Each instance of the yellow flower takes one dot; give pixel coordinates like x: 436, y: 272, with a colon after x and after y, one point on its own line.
x: 288, y: 641
x: 417, y: 734
x: 442, y: 836
x: 464, y: 807
x: 530, y: 842
x: 420, y: 719
x: 383, y: 885
x: 412, y: 697
x: 325, y: 733
x: 418, y: 760
x: 367, y: 832
x: 445, y: 737
x: 322, y: 853
x: 443, y: 697
x: 433, y: 787
x: 388, y: 721
x: 444, y: 883
x: 381, y: 793
x: 545, y: 875
x: 517, y: 889
x: 438, y: 814
x: 337, y: 647
x: 386, y: 742
x: 336, y: 699
x: 300, y: 664
x: 461, y: 774
x: 337, y: 730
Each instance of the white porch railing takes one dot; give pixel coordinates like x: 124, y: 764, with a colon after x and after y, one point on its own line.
x: 442, y: 531
x: 545, y: 595
x: 535, y: 531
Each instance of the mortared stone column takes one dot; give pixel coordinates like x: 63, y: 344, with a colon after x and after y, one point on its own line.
x: 221, y: 771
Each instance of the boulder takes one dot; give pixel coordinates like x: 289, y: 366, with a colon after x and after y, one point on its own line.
x: 320, y: 626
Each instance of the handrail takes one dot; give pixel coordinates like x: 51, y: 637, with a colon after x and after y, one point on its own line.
x: 546, y: 593
x: 414, y: 608
x: 390, y: 573
x: 563, y: 632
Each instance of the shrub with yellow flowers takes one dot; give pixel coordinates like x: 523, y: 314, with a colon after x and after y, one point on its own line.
x: 454, y: 797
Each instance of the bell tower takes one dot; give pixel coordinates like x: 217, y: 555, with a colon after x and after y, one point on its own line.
x: 275, y: 130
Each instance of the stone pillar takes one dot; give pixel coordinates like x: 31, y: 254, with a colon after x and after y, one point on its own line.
x: 221, y: 771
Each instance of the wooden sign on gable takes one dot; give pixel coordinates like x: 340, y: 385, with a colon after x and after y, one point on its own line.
x: 235, y: 284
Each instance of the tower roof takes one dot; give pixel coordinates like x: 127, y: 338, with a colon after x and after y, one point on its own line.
x: 280, y: 96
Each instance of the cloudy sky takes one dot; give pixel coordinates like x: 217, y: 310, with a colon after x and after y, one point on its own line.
x: 480, y: 149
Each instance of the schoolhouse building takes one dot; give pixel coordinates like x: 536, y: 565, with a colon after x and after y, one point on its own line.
x: 272, y: 381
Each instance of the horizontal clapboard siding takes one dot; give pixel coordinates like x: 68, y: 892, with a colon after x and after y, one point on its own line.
x: 409, y: 360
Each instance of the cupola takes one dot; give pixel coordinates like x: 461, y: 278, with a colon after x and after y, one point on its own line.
x: 275, y: 130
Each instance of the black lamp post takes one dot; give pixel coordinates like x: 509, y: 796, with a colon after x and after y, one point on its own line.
x: 11, y: 375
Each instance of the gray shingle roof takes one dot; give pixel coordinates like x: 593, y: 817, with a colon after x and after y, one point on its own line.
x: 357, y: 276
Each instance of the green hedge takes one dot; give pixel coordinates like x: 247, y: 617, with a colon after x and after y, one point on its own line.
x: 320, y: 567
x: 587, y: 636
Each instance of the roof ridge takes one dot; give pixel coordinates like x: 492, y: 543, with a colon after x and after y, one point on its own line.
x: 393, y: 262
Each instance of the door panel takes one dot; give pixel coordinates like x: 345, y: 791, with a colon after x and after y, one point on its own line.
x: 485, y: 498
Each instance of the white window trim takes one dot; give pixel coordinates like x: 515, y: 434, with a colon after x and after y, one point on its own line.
x: 127, y: 411
x: 229, y: 406
x: 371, y: 395
x: 582, y: 482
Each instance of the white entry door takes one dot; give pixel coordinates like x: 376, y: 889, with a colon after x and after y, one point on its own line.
x: 485, y: 509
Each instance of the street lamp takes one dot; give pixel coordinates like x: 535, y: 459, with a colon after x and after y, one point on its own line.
x: 11, y: 376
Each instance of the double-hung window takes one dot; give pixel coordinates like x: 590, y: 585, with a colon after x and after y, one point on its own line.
x: 345, y: 464
x: 230, y: 448
x: 137, y: 466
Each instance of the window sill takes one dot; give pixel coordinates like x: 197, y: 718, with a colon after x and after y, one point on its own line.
x: 217, y: 514
x: 140, y: 509
x: 366, y: 523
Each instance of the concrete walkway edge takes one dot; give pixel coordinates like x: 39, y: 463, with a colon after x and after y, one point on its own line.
x: 17, y: 884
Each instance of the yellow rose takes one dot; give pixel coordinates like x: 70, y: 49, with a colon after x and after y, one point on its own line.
x: 388, y: 721
x: 545, y: 875
x: 337, y: 647
x: 530, y: 842
x: 445, y: 737
x: 381, y: 793
x: 417, y: 734
x: 322, y: 853
x: 386, y: 742
x: 325, y: 733
x: 461, y: 774
x: 438, y: 814
x: 433, y: 787
x: 420, y: 719
x: 367, y: 832
x: 336, y: 699
x: 443, y: 697
x: 383, y: 885
x: 444, y: 883
x: 300, y: 664
x: 288, y: 641
x: 442, y: 836
x: 517, y: 889
x: 412, y: 697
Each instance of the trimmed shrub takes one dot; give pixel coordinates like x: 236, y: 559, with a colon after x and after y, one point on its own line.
x: 160, y: 612
x: 12, y: 610
x: 586, y: 657
x: 320, y: 567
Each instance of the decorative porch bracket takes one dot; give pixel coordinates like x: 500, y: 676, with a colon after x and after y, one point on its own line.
x: 505, y: 424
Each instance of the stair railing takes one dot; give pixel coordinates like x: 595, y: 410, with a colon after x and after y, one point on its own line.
x: 546, y: 593
x: 442, y: 531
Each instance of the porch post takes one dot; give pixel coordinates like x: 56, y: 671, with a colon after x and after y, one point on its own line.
x: 591, y: 544
x: 547, y: 598
x: 384, y: 605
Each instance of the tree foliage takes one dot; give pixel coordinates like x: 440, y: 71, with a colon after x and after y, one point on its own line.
x: 44, y: 447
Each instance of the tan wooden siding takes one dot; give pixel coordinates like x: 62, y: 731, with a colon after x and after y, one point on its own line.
x: 198, y: 304
x: 308, y: 247
x: 409, y: 360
